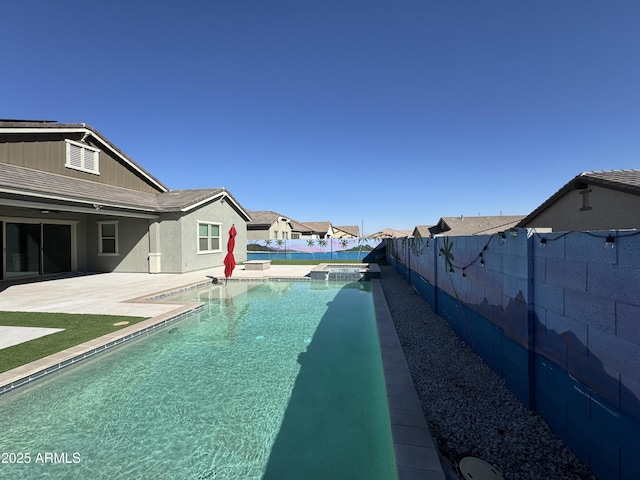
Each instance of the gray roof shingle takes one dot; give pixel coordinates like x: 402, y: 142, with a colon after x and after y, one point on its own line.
x: 26, y: 181
x: 624, y: 180
x: 481, y: 225
x: 263, y: 217
x: 50, y: 186
x: 179, y: 199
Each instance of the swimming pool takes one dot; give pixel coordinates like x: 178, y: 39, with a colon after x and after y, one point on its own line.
x: 247, y: 387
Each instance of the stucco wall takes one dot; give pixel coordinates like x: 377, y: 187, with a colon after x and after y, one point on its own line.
x: 133, y: 246
x: 609, y: 209
x: 561, y: 324
x: 178, y: 238
x: 280, y: 229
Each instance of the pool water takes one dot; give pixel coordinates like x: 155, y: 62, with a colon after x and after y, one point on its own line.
x: 275, y: 380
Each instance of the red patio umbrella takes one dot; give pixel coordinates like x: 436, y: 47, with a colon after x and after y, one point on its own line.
x: 229, y: 259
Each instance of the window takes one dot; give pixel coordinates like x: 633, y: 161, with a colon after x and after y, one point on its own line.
x: 108, y: 238
x: 82, y: 157
x: 275, y: 234
x: 295, y: 236
x: 208, y: 237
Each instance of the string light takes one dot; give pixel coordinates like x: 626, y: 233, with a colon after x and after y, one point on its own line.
x: 609, y: 242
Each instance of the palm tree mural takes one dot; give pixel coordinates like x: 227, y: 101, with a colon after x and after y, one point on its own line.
x: 280, y: 244
x: 344, y: 243
x: 446, y: 253
x: 322, y: 243
x: 310, y: 243
x: 361, y: 242
x: 267, y: 244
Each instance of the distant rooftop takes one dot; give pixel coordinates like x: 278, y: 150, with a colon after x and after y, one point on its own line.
x: 12, y: 120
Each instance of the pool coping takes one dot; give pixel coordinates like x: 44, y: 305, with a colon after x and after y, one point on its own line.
x: 416, y: 453
x: 417, y: 456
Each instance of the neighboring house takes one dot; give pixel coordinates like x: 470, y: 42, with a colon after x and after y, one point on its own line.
x: 603, y: 200
x: 320, y: 229
x: 422, y: 231
x: 391, y: 233
x: 300, y: 230
x: 268, y: 225
x: 463, y: 226
x: 346, y: 231
x: 72, y: 201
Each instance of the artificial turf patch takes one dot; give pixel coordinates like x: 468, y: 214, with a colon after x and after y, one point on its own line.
x: 78, y: 328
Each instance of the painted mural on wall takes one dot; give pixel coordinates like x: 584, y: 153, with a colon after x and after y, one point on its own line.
x: 318, y: 249
x: 556, y: 315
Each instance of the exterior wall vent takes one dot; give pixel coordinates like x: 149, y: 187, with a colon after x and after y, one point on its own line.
x: 82, y: 157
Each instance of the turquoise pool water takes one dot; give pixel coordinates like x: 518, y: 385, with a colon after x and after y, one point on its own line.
x: 274, y: 380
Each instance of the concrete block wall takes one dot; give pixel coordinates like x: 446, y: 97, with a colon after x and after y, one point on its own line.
x: 560, y: 322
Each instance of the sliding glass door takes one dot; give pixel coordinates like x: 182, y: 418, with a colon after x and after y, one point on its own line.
x: 56, y: 248
x: 22, y: 249
x: 33, y: 249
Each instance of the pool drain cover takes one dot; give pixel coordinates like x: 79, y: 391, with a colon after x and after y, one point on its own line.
x: 473, y: 468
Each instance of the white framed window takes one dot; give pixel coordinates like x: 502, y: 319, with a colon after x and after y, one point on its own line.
x: 208, y: 237
x: 82, y: 157
x: 108, y: 237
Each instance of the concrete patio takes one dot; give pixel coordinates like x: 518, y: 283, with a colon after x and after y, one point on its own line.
x: 120, y: 293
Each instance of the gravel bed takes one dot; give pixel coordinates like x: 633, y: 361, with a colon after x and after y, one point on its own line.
x: 468, y: 407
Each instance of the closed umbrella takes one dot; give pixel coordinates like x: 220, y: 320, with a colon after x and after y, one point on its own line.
x: 229, y: 259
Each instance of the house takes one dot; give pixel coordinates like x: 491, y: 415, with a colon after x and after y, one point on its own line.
x: 463, y: 226
x: 300, y: 230
x: 601, y: 200
x: 422, y: 231
x: 346, y: 231
x: 268, y: 225
x: 72, y: 201
x: 391, y: 233
x: 320, y: 229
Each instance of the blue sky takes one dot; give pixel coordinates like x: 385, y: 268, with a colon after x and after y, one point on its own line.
x: 375, y: 113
